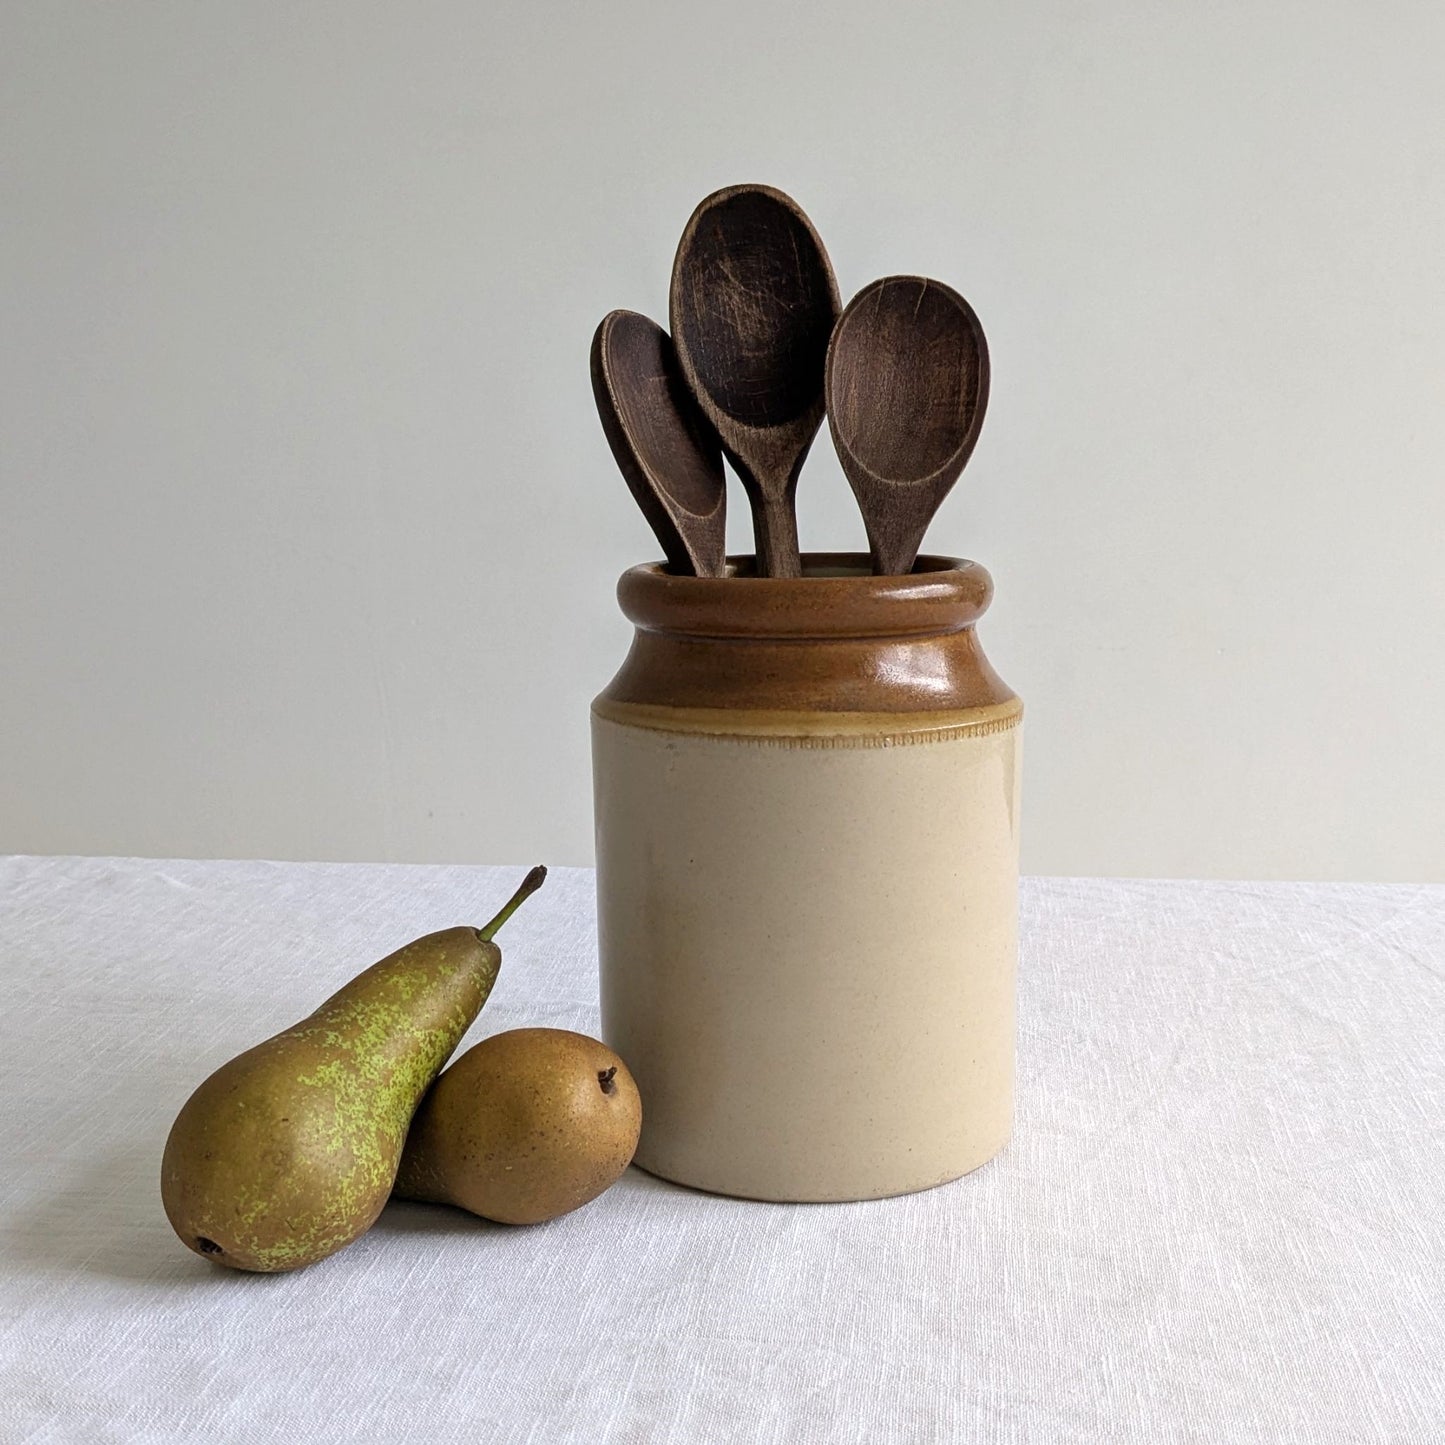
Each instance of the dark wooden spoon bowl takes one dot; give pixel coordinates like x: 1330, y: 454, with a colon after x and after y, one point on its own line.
x: 752, y: 304
x: 907, y: 385
x: 664, y: 447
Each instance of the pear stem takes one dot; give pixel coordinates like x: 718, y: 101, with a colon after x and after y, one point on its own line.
x: 530, y: 884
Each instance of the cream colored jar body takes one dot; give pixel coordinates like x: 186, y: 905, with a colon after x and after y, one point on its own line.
x: 807, y: 911
x: 808, y: 953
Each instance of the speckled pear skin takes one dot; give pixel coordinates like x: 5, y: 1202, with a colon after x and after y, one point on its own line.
x: 525, y: 1126
x: 288, y: 1152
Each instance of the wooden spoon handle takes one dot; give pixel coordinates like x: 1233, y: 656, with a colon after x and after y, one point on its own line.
x: 896, y: 534
x: 775, y: 532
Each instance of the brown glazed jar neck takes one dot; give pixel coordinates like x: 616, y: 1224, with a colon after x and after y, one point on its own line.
x: 837, y: 598
x: 836, y: 640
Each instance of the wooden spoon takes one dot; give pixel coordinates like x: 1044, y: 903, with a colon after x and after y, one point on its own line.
x: 752, y: 305
x: 907, y: 384
x: 664, y: 447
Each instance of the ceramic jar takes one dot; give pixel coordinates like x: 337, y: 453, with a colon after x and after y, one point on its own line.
x: 806, y: 802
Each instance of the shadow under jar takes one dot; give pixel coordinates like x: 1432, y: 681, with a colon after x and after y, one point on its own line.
x: 806, y: 804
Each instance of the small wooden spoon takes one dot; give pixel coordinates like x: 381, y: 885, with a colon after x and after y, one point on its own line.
x: 907, y: 384
x: 664, y: 447
x: 752, y: 305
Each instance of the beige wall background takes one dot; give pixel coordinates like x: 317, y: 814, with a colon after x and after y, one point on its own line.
x: 310, y: 533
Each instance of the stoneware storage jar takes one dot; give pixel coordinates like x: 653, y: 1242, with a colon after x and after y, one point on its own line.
x: 806, y: 799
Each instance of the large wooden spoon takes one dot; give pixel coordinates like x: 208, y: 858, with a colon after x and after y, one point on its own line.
x: 664, y: 448
x: 907, y: 384
x: 752, y: 305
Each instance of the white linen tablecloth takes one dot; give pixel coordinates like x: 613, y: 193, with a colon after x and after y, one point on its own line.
x: 1220, y: 1219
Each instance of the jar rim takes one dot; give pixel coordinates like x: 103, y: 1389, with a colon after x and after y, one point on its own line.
x: 838, y: 596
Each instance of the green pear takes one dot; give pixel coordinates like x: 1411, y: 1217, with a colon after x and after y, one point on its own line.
x: 288, y: 1153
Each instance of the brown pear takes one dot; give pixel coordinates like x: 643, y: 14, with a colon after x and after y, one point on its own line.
x: 288, y: 1152
x: 525, y: 1126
